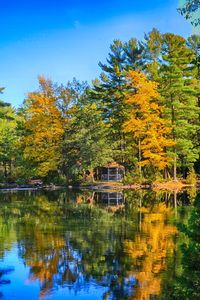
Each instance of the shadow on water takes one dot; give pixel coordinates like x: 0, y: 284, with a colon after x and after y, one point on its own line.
x: 112, y: 245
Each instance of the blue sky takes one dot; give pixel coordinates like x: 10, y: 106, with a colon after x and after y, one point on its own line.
x: 62, y: 39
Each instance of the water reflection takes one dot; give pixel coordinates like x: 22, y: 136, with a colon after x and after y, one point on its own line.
x: 75, y: 241
x: 3, y: 280
x: 187, y: 283
x: 149, y: 249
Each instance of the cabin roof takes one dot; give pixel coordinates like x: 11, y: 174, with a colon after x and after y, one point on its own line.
x: 113, y: 164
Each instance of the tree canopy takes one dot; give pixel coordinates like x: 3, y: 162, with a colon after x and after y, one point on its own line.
x: 142, y: 112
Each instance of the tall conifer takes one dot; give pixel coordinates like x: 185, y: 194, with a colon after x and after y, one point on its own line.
x: 179, y: 93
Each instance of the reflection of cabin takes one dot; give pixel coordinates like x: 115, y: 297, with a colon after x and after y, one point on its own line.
x: 109, y: 198
x: 110, y: 172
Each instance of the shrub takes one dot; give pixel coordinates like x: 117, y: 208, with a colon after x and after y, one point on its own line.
x: 191, y: 177
x: 132, y: 177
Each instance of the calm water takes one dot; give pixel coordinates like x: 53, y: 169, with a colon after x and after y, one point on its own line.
x: 84, y: 245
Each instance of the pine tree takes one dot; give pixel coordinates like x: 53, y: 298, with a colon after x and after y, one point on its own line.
x: 109, y: 90
x: 134, y: 55
x: 179, y: 93
x: 152, y: 54
x: 193, y: 43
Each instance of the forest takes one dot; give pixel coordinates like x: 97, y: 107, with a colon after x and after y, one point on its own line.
x: 142, y: 112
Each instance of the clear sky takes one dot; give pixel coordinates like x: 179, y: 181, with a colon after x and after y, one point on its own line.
x: 62, y: 39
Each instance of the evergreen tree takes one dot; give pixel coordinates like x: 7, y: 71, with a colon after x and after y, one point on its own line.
x: 86, y: 143
x: 194, y: 44
x: 109, y: 91
x: 180, y: 96
x: 152, y: 54
x: 134, y: 55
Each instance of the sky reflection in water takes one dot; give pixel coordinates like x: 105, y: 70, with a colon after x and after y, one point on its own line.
x: 75, y: 246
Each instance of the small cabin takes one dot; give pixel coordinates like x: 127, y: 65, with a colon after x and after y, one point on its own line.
x: 110, y: 172
x: 35, y: 182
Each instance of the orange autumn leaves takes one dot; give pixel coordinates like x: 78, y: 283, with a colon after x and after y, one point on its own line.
x: 45, y: 125
x: 145, y: 121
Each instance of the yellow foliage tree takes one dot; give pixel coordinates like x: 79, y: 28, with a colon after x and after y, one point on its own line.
x: 145, y: 121
x: 44, y: 129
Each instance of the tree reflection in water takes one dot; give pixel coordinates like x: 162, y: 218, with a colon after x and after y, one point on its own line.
x: 149, y: 250
x: 77, y: 255
x: 187, y: 284
x: 75, y: 244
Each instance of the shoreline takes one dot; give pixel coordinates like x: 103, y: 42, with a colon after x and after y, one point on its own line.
x: 169, y: 186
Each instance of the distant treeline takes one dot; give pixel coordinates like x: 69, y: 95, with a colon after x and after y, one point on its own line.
x: 143, y: 112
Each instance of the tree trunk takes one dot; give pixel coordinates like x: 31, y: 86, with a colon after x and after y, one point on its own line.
x: 5, y: 169
x: 10, y: 167
x: 174, y: 138
x: 175, y: 202
x: 175, y: 165
x: 165, y: 173
x: 139, y: 157
x: 91, y: 174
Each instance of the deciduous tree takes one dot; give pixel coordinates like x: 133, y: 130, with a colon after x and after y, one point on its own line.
x: 145, y: 121
x: 44, y: 129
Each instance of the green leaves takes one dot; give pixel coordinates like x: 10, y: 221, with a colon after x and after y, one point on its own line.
x: 179, y: 93
x: 8, y: 137
x: 86, y: 142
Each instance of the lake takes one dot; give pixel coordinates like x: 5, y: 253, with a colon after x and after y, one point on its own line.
x: 90, y: 245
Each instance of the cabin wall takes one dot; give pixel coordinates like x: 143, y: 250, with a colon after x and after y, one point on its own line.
x: 110, y: 174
